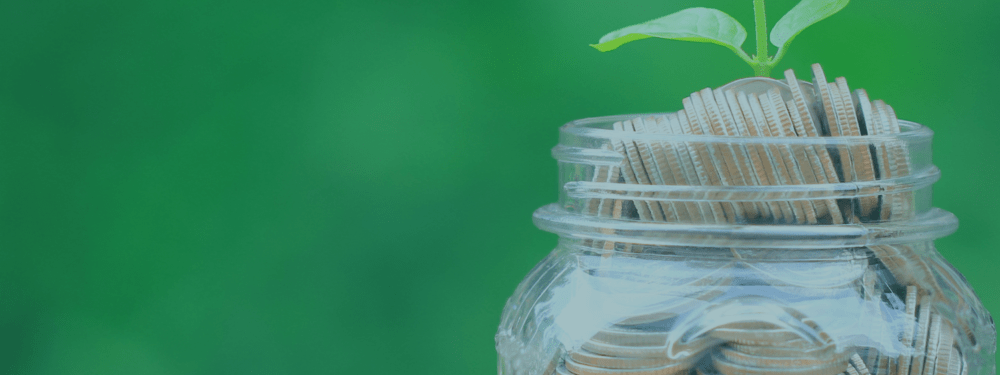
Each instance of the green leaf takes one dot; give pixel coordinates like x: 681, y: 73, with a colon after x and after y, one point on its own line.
x: 694, y: 25
x: 802, y: 16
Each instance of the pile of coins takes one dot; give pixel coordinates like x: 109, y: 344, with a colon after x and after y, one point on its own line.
x: 763, y: 107
x: 648, y: 344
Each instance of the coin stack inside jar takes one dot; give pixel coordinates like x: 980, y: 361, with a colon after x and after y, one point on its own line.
x: 764, y: 108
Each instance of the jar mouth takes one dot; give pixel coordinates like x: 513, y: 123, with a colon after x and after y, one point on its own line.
x: 934, y: 223
x: 659, y: 170
x: 600, y: 128
x: 698, y: 193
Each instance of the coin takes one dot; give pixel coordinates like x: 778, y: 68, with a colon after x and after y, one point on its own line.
x: 883, y: 365
x: 872, y: 357
x: 665, y: 159
x: 686, y: 160
x: 686, y: 211
x: 904, y: 167
x: 651, y: 161
x: 783, y: 163
x: 800, y: 167
x: 831, y: 126
x: 678, y: 349
x: 746, y: 359
x: 703, y: 165
x: 628, y: 172
x: 808, y: 275
x: 740, y: 155
x: 587, y: 358
x: 728, y: 368
x: 626, y: 336
x: 780, y: 210
x: 871, y: 124
x: 863, y: 168
x: 581, y: 369
x: 754, y: 85
x: 760, y: 337
x: 859, y: 364
x: 932, y: 343
x: 759, y: 170
x: 675, y: 308
x: 923, y: 325
x: 715, y: 155
x: 809, y: 127
x: 715, y: 120
x: 637, y: 174
x: 944, y: 348
x: 811, y: 157
x: 898, y: 160
x: 955, y: 362
x: 796, y: 348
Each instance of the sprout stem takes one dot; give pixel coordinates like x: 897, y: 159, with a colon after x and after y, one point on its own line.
x: 763, y: 65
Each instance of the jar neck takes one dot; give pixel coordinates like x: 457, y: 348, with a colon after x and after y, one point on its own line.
x: 663, y: 189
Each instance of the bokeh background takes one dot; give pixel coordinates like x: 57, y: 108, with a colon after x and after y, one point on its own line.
x: 346, y: 187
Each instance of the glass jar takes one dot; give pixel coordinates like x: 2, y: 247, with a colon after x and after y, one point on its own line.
x: 658, y: 273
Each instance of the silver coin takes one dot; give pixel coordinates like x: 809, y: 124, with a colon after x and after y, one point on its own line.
x: 751, y: 360
x: 588, y: 358
x: 718, y: 166
x: 582, y: 369
x: 859, y: 364
x: 756, y: 86
x: 726, y: 367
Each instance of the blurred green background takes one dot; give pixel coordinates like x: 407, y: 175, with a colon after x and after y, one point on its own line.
x: 346, y: 187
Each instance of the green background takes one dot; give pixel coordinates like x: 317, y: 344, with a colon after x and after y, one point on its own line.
x: 346, y: 187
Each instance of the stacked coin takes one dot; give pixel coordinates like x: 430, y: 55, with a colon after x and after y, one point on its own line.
x: 762, y: 107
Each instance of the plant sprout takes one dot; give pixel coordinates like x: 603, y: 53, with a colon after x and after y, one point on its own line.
x: 707, y: 25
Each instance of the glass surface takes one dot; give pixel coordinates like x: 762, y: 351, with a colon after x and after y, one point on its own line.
x: 819, y: 277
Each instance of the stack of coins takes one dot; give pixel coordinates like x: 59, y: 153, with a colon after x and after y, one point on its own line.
x: 762, y: 107
x: 647, y: 344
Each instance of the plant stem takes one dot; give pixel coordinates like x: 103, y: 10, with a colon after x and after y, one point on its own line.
x: 763, y: 64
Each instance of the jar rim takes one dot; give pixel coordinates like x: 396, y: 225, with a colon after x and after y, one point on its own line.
x: 600, y: 128
x: 927, y: 226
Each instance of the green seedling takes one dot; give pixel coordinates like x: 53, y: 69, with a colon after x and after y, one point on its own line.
x: 714, y: 26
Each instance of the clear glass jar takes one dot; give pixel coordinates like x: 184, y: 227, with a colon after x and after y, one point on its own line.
x: 658, y: 274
